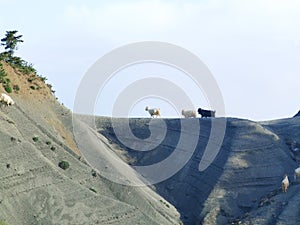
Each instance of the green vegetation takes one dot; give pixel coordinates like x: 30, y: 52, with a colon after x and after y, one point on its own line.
x: 5, y: 81
x: 35, y: 138
x: 64, y: 165
x: 93, y: 190
x: 8, y: 88
x: 53, y: 148
x: 10, y: 43
x: 94, y: 173
x: 16, y: 88
x: 48, y: 142
x: 13, y: 139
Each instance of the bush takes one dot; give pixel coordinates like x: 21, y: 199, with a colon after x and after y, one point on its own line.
x: 48, y: 142
x: 94, y: 173
x: 64, y: 165
x: 53, y: 148
x: 30, y: 79
x: 35, y: 138
x: 2, y: 73
x: 8, y: 88
x: 93, y: 190
x: 16, y: 88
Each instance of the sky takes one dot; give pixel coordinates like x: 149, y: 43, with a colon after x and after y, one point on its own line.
x: 251, y: 47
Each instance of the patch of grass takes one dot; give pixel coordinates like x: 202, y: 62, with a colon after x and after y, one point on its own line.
x: 35, y: 138
x: 64, y: 165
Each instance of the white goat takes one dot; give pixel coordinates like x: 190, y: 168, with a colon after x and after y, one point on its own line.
x: 153, y: 112
x: 6, y: 99
x: 285, y: 183
x: 296, y: 173
x: 189, y: 113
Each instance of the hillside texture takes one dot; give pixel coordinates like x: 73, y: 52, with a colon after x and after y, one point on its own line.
x: 241, y: 186
x: 35, y: 136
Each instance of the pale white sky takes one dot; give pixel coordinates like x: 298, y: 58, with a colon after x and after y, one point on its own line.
x: 252, y: 47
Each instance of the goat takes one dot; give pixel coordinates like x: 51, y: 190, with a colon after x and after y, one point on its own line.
x: 206, y: 113
x: 189, y: 113
x: 296, y: 173
x: 153, y: 112
x: 6, y: 99
x: 285, y: 183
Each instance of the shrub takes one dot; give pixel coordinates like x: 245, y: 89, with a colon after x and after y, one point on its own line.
x: 16, y: 88
x: 53, y: 148
x: 13, y: 139
x: 48, y: 142
x: 93, y: 190
x: 2, y: 73
x: 8, y: 88
x: 30, y: 79
x: 35, y: 138
x: 32, y: 87
x: 94, y: 173
x: 43, y: 78
x: 64, y: 165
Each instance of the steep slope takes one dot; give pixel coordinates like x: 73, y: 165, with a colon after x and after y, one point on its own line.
x: 35, y: 135
x: 239, y: 185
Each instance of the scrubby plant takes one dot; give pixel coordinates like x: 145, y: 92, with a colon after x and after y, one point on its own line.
x: 53, y: 148
x: 13, y: 139
x: 8, y: 88
x: 64, y: 164
x: 48, y: 142
x: 32, y: 87
x: 93, y: 190
x: 94, y: 173
x: 30, y: 79
x: 2, y: 73
x: 43, y: 78
x: 16, y: 88
x: 35, y: 138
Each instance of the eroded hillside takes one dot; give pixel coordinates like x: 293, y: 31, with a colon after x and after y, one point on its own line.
x: 35, y: 136
x: 241, y: 186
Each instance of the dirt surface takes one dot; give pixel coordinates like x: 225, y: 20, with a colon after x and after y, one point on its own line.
x: 35, y: 135
x: 241, y: 186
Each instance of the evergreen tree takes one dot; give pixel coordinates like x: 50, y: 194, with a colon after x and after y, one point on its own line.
x: 10, y: 42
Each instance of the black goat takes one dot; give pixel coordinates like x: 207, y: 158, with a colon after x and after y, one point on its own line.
x: 206, y: 113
